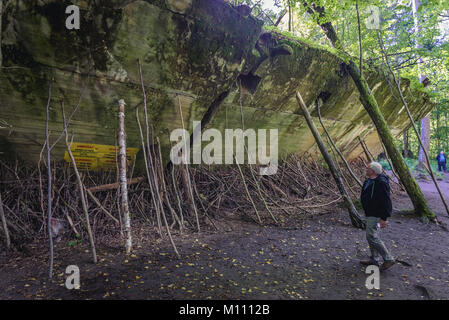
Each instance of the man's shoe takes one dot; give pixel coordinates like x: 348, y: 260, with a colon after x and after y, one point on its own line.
x: 369, y: 263
x: 386, y: 265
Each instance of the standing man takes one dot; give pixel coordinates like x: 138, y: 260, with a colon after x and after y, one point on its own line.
x: 376, y: 203
x: 441, y: 159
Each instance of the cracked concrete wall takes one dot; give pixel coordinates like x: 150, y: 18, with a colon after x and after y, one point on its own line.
x: 191, y: 51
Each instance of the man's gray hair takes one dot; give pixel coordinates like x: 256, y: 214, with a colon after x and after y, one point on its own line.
x: 376, y: 167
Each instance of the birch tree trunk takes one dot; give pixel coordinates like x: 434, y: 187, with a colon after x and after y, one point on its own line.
x: 425, y: 122
x: 80, y: 185
x: 405, y: 142
x: 336, y: 148
x: 438, y: 129
x: 446, y: 138
x: 425, y: 138
x: 356, y: 220
x: 5, y: 226
x: 1, y: 13
x: 83, y: 200
x: 49, y: 200
x: 122, y: 175
x: 289, y: 18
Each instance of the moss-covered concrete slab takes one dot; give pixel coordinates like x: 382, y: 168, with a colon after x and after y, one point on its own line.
x: 191, y: 51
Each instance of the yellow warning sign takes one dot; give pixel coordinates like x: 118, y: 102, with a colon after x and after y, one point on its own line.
x: 97, y: 156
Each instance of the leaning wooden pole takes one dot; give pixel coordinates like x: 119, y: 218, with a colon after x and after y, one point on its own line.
x: 80, y: 185
x: 356, y: 220
x: 83, y: 200
x: 365, y: 149
x: 336, y: 148
x: 167, y: 201
x: 185, y: 169
x: 5, y: 226
x: 49, y: 186
x: 1, y: 14
x: 397, y: 81
x: 122, y: 175
x: 392, y: 169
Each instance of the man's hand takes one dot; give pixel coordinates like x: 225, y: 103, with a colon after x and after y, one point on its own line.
x: 382, y: 223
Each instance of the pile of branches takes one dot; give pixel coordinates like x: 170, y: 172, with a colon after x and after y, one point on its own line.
x: 301, y: 187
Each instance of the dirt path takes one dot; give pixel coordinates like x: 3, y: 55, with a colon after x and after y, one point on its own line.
x: 317, y: 259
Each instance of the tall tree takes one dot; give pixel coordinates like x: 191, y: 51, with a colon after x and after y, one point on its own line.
x: 1, y: 13
x: 122, y: 175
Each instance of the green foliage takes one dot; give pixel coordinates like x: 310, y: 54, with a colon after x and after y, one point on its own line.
x: 403, y: 46
x: 73, y: 243
x: 411, y: 164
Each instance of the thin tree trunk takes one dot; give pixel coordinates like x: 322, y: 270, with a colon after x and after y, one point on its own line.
x: 98, y: 203
x: 164, y: 186
x: 405, y: 142
x: 282, y: 15
x: 250, y: 168
x: 185, y: 186
x: 446, y: 138
x: 112, y: 186
x: 83, y: 203
x: 167, y: 201
x: 360, y: 38
x: 425, y: 138
x: 368, y: 155
x: 147, y: 168
x: 336, y: 148
x: 5, y: 227
x: 397, y: 81
x: 247, y: 191
x: 122, y: 175
x: 425, y: 122
x: 185, y: 170
x: 49, y: 211
x: 370, y: 104
x: 418, y: 136
x: 392, y: 168
x: 438, y: 129
x: 147, y: 152
x: 1, y: 14
x: 81, y: 188
x: 354, y: 216
x: 289, y: 18
x: 117, y: 178
x: 153, y: 162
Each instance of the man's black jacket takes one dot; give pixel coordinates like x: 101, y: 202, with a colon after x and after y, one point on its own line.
x: 375, y: 197
x: 439, y: 158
